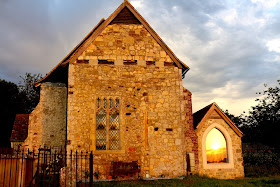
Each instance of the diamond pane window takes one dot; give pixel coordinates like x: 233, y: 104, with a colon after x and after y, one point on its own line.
x: 108, y: 124
x: 98, y: 103
x: 117, y: 103
x: 101, y: 119
x: 104, y: 103
x: 111, y: 103
x: 114, y: 130
x: 101, y: 130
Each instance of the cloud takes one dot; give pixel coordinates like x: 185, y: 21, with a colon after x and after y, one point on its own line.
x: 274, y: 45
x: 231, y: 47
x: 36, y: 35
x: 137, y: 3
x: 225, y: 45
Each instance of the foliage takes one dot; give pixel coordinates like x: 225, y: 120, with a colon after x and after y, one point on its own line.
x: 261, y: 164
x: 16, y: 99
x: 257, y: 164
x: 27, y: 88
x: 264, y: 119
x: 54, y: 166
x: 237, y: 120
x: 262, y: 124
x: 260, y: 158
x: 96, y: 174
x: 8, y: 109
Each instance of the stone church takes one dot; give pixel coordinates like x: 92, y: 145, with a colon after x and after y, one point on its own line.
x: 119, y: 93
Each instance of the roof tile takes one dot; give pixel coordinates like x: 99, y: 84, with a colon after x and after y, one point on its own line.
x: 20, y: 128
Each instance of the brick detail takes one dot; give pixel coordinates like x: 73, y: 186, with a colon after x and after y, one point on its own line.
x: 189, y: 132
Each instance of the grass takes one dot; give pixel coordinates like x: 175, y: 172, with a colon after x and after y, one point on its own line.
x: 197, y: 181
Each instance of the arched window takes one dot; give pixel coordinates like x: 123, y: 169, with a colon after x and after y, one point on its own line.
x: 216, y: 147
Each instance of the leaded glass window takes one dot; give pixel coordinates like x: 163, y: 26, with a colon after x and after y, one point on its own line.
x: 108, y: 124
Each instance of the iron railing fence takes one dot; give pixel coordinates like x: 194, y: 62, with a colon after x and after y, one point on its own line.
x: 46, y: 167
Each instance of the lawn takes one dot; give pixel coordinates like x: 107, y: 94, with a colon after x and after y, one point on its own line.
x: 197, y: 181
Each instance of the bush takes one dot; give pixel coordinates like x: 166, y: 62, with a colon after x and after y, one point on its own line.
x: 261, y: 164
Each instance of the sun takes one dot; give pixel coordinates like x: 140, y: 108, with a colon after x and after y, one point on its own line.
x: 216, y: 146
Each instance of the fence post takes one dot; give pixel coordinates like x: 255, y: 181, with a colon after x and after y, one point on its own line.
x: 91, y: 169
x: 38, y: 168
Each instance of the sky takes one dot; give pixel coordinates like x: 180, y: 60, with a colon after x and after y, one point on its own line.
x: 232, y: 47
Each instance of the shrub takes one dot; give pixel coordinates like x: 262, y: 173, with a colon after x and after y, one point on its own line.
x: 261, y: 164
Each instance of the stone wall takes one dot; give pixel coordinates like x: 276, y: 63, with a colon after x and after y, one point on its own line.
x: 150, y: 103
x: 150, y: 90
x: 47, y: 122
x: 125, y: 42
x: 34, y: 138
x: 234, y: 169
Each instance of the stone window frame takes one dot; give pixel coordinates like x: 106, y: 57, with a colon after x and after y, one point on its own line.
x: 121, y: 150
x: 228, y: 139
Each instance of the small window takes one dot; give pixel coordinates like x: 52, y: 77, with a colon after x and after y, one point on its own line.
x: 216, y: 148
x: 108, y: 124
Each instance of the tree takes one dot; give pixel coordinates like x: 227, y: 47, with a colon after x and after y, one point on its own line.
x: 237, y: 120
x: 262, y: 124
x: 29, y: 91
x: 8, y: 109
x: 16, y: 99
x: 264, y: 118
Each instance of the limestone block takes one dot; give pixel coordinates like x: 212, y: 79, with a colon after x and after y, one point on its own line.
x: 118, y: 62
x: 159, y: 64
x: 93, y: 62
x: 178, y: 142
x: 162, y: 54
x: 141, y: 63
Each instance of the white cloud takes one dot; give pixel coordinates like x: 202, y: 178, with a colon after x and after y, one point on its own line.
x: 230, y: 16
x: 266, y: 3
x: 230, y: 96
x: 137, y: 3
x: 231, y: 47
x: 230, y: 90
x: 274, y: 45
x: 234, y: 106
x: 276, y: 58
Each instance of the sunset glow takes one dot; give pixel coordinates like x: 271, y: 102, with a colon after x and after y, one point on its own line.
x: 216, y: 147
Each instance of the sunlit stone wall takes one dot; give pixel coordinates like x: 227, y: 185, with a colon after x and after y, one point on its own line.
x: 153, y: 112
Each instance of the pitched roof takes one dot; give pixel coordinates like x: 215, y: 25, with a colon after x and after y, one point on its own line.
x: 123, y: 13
x: 200, y: 116
x: 20, y: 128
x: 197, y: 116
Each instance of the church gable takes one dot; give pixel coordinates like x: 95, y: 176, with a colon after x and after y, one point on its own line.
x: 127, y: 42
x: 129, y: 38
x: 212, y: 112
x: 125, y: 17
x: 215, y: 115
